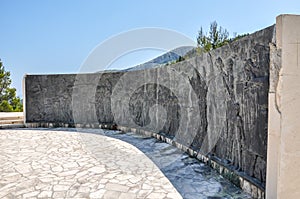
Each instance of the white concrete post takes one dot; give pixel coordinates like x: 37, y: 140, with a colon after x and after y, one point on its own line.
x: 283, y: 164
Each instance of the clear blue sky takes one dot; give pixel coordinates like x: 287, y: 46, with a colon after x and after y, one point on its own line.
x: 55, y: 36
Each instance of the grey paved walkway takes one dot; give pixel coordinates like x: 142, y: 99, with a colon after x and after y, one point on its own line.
x: 59, y: 164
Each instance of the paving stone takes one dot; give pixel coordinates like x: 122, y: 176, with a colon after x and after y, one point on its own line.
x: 23, y: 191
x: 97, y: 169
x: 45, y: 179
x: 71, y: 193
x: 70, y: 165
x: 172, y: 195
x: 97, y: 194
x: 111, y: 194
x: 45, y: 194
x: 147, y: 186
x: 83, y: 189
x: 60, y: 187
x: 31, y: 194
x: 127, y: 196
x: 82, y: 173
x: 57, y: 169
x: 68, y: 173
x: 144, y: 193
x: 116, y: 187
x: 60, y: 194
x: 156, y: 196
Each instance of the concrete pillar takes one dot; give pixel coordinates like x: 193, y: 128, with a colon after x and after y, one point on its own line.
x: 283, y: 164
x: 24, y: 98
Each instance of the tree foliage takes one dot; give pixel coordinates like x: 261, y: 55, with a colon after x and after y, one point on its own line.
x: 8, y: 100
x: 216, y: 37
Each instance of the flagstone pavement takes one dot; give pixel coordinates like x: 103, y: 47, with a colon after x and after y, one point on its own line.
x: 41, y: 163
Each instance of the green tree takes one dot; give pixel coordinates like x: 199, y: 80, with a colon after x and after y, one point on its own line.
x: 216, y: 38
x: 8, y: 100
x: 203, y: 41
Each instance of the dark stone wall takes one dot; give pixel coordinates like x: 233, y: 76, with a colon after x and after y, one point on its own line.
x: 215, y: 103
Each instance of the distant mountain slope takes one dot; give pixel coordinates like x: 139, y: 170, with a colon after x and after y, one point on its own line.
x: 165, y: 58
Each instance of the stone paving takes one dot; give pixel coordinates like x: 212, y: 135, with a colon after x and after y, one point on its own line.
x: 43, y: 163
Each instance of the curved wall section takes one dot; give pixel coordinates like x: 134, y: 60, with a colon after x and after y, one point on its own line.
x: 215, y: 103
